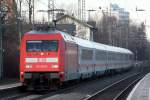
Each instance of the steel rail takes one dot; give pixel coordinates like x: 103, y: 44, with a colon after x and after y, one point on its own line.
x: 125, y: 90
x: 109, y: 86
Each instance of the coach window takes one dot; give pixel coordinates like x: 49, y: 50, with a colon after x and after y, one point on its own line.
x: 128, y: 57
x: 87, y: 54
x: 123, y: 57
x: 118, y: 56
x: 115, y: 55
x: 100, y: 55
x: 109, y: 56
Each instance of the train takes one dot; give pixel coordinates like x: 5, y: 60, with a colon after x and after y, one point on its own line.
x: 51, y: 58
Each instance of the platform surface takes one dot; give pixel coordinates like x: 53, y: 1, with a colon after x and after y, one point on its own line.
x: 6, y: 84
x: 141, y: 91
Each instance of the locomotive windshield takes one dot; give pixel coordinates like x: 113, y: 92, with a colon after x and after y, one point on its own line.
x: 42, y: 45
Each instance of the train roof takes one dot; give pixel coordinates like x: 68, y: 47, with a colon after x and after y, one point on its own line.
x: 91, y: 44
x: 84, y: 43
x: 45, y: 32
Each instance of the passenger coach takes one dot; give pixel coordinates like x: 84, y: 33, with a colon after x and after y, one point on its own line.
x: 47, y: 59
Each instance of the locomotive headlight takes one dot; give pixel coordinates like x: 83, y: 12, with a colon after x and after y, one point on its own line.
x: 28, y: 66
x: 22, y: 73
x: 54, y: 66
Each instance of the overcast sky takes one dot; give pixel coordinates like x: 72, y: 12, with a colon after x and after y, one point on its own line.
x: 129, y: 5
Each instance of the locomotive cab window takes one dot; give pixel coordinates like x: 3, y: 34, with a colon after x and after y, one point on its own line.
x: 41, y: 45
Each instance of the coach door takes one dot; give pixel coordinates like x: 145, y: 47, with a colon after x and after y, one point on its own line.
x: 71, y: 61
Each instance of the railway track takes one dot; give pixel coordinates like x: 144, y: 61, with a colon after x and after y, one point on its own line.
x: 118, y: 90
x: 125, y: 92
x: 69, y: 90
x: 51, y: 94
x: 32, y: 95
x: 39, y: 96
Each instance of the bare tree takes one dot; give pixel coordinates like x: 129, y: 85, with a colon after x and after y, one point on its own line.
x: 137, y: 41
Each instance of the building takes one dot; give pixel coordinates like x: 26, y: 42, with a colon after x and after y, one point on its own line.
x: 113, y: 25
x: 79, y: 28
x: 121, y: 15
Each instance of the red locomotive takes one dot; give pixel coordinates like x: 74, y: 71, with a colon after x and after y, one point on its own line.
x: 48, y: 59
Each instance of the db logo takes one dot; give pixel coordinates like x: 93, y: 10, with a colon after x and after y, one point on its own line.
x: 41, y: 59
x: 41, y: 66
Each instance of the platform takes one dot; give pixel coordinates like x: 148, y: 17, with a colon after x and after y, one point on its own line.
x: 141, y: 91
x: 7, y: 84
